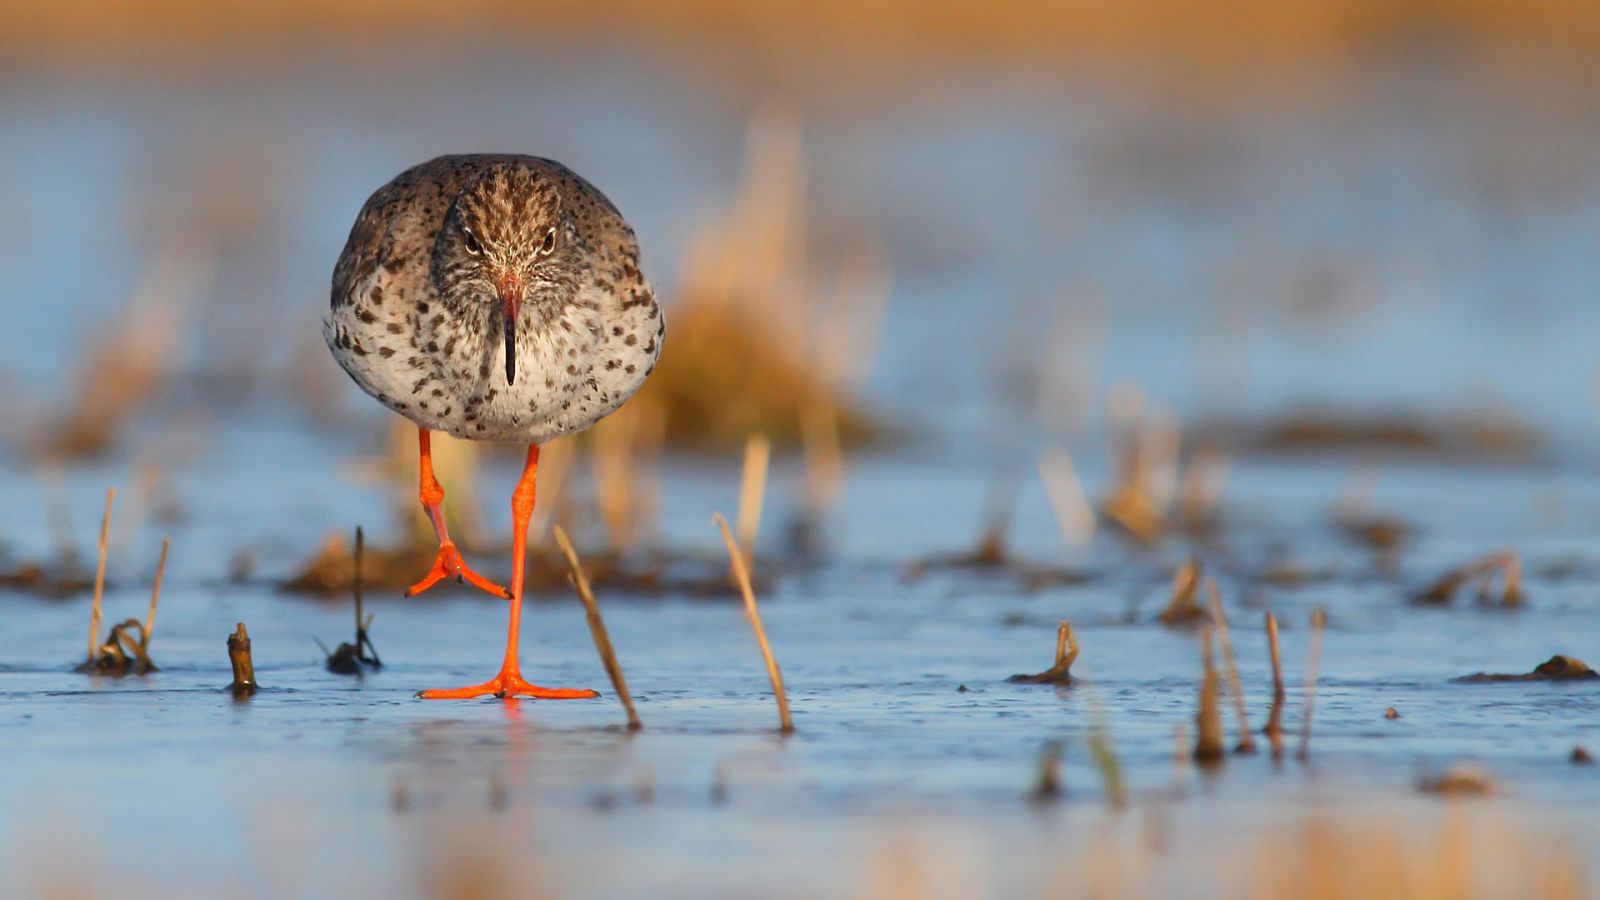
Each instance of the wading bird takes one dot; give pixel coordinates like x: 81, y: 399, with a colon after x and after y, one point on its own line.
x: 493, y: 298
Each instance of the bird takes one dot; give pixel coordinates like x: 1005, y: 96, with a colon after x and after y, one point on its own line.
x: 493, y: 297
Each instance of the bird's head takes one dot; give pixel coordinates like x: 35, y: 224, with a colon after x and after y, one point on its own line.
x: 507, y: 243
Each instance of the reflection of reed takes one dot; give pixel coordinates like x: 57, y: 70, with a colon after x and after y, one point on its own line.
x: 1274, y: 729
x: 1247, y: 741
x: 1319, y: 621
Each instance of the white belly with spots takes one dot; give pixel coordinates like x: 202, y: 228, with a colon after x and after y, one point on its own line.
x: 571, y: 372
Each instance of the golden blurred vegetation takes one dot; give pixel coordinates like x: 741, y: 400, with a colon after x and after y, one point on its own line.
x: 754, y: 343
x: 1219, y: 34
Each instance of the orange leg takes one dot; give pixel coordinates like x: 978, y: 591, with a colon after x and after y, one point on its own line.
x: 449, y: 561
x: 509, y: 682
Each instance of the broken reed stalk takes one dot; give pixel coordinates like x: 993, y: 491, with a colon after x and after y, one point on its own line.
x: 1247, y: 743
x: 1274, y: 727
x: 244, y: 670
x: 597, y: 628
x: 1066, y: 654
x: 100, y: 580
x: 1208, y: 744
x: 155, y: 590
x: 1319, y: 620
x: 741, y: 573
x: 752, y: 489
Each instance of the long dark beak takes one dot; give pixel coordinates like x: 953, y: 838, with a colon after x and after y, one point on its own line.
x: 510, y: 310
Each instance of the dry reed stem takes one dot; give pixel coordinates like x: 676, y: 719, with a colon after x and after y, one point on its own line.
x: 357, y: 584
x: 555, y: 464
x: 1185, y: 584
x: 155, y: 590
x: 1162, y: 439
x: 100, y: 579
x: 824, y: 460
x: 1202, y: 485
x: 850, y: 327
x: 1319, y: 621
x: 1074, y: 514
x: 1208, y: 745
x: 612, y: 448
x: 1064, y: 640
x: 742, y: 575
x: 244, y: 671
x: 1274, y: 727
x: 1247, y: 743
x: 597, y: 628
x: 1131, y: 503
x: 752, y: 490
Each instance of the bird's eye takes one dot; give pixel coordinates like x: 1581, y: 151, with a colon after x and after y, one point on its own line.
x: 470, y: 241
x: 549, y: 244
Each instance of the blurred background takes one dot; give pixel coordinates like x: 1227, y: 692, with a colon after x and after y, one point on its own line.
x: 1306, y: 289
x: 982, y: 215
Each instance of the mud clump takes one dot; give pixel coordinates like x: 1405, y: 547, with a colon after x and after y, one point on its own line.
x: 1556, y: 668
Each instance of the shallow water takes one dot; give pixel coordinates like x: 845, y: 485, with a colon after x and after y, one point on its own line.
x: 322, y: 783
x: 323, y: 780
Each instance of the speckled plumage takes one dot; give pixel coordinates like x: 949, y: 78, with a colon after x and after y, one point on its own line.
x: 414, y: 317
